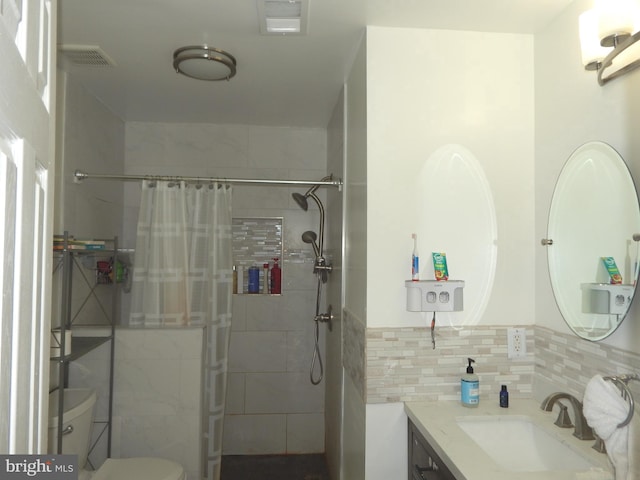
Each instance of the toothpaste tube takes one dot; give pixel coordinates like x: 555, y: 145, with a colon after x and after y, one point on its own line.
x: 440, y: 265
x: 612, y: 269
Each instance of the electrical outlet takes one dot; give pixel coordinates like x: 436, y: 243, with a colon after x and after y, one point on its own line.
x: 516, y: 342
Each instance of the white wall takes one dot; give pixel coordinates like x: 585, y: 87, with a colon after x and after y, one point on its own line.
x: 334, y: 249
x: 355, y: 268
x: 90, y: 138
x: 572, y: 109
x: 425, y: 89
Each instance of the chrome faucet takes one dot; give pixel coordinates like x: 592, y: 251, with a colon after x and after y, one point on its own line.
x: 582, y: 429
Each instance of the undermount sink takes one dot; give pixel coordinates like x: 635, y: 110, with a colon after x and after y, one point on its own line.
x: 518, y: 444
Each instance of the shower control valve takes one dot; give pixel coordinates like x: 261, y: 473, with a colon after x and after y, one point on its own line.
x: 321, y: 265
x: 325, y: 317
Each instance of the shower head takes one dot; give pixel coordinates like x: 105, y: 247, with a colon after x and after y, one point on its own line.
x: 311, y: 237
x: 301, y: 200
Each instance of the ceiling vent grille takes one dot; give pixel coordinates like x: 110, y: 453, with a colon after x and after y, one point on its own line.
x: 85, y: 56
x: 282, y: 17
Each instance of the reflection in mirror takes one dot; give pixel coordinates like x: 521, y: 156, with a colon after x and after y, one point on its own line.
x: 593, y: 241
x: 461, y: 222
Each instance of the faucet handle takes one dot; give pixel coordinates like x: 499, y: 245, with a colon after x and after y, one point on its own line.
x: 599, y: 445
x: 563, y: 420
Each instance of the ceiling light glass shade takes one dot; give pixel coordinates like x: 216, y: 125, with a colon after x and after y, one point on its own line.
x: 204, y: 63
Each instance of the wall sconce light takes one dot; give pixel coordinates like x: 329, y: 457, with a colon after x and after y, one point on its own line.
x: 608, y: 42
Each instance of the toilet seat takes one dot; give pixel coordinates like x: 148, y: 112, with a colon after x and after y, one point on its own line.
x: 143, y: 468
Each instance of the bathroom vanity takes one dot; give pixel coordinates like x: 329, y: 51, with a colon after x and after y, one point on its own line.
x: 450, y: 442
x: 424, y: 462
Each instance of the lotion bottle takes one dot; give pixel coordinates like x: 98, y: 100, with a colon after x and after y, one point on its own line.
x: 470, y: 387
x: 504, y: 397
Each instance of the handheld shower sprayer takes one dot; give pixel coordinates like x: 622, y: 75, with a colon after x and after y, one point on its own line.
x: 311, y: 237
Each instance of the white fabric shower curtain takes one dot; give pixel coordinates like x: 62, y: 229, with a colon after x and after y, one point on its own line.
x: 182, y: 276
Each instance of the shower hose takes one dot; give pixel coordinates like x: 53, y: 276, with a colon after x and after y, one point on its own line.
x: 316, y: 349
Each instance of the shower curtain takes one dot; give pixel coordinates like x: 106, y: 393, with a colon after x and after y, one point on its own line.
x: 182, y: 276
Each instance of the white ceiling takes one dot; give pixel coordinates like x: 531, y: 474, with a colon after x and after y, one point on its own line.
x: 280, y: 80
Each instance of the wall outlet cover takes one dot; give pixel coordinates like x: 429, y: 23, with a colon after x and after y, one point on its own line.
x: 516, y: 342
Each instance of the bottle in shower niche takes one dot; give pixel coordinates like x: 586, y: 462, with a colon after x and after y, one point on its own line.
x: 265, y: 278
x: 276, y: 278
x: 253, y: 286
x: 235, y: 279
x: 240, y: 275
x: 470, y: 387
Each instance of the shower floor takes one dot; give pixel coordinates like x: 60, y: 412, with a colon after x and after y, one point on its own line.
x: 274, y: 467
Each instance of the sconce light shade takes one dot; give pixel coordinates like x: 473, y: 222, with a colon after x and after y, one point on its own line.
x: 204, y: 63
x: 607, y: 40
x: 592, y: 52
x: 615, y: 22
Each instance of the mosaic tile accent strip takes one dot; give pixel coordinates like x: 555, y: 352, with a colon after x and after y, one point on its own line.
x: 402, y: 365
x: 569, y: 361
x: 353, y: 350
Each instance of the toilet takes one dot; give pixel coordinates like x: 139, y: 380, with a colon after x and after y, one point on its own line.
x: 78, y: 413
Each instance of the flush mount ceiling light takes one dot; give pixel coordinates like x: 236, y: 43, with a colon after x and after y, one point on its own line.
x: 607, y: 39
x: 283, y: 17
x: 204, y: 63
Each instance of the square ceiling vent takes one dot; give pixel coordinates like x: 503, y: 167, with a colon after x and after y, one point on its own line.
x: 283, y: 17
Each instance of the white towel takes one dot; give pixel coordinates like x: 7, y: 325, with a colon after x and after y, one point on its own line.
x: 604, y: 408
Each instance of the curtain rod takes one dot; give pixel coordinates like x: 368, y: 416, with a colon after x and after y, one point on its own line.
x: 79, y: 176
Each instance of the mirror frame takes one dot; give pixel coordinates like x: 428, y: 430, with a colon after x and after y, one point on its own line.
x: 594, y: 182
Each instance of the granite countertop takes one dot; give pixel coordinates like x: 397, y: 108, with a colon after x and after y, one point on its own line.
x: 436, y: 421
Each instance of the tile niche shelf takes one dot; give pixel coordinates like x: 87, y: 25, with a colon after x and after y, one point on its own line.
x: 256, y: 241
x: 85, y: 284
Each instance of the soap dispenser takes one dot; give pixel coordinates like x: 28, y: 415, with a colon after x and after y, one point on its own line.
x: 470, y: 387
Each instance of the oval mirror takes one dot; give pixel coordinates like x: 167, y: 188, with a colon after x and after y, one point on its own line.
x: 593, y: 232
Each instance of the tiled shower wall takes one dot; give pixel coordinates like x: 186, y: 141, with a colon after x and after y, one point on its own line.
x: 272, y: 407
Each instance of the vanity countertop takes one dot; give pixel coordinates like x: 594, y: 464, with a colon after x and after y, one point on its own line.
x: 436, y: 421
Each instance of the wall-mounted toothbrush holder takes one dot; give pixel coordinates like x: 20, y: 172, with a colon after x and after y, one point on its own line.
x: 434, y: 296
x: 606, y: 298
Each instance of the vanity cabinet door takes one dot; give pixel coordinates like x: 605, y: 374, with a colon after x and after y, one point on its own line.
x: 424, y: 464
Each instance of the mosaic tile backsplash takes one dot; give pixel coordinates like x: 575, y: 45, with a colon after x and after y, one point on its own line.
x: 401, y: 364
x: 569, y: 362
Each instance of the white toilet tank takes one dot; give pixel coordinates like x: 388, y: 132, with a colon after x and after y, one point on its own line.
x: 77, y: 420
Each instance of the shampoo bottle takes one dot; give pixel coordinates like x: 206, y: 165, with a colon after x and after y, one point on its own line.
x: 265, y: 278
x: 470, y: 387
x: 276, y: 278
